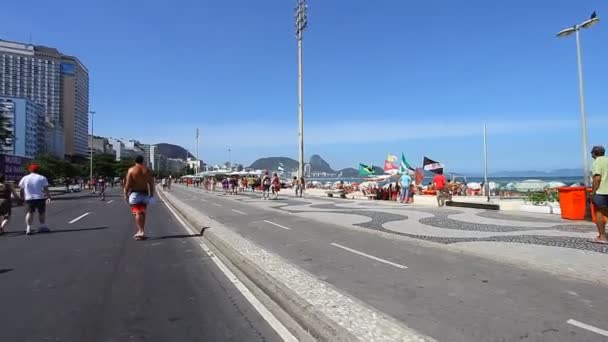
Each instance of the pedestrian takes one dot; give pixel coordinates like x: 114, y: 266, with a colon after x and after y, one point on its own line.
x: 101, y: 185
x: 139, y: 190
x: 35, y: 191
x: 599, y: 191
x: 6, y: 205
x: 302, y: 185
x: 439, y: 184
x: 296, y: 185
x: 266, y: 183
x: 405, y: 181
x: 276, y: 185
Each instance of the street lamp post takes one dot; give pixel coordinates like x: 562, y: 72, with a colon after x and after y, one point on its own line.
x: 230, y: 157
x: 301, y: 23
x: 565, y: 33
x: 92, y: 139
x: 197, y: 160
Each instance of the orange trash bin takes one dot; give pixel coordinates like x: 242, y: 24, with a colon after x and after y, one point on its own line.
x: 573, y: 202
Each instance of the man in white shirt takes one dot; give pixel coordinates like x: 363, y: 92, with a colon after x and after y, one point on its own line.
x: 35, y: 191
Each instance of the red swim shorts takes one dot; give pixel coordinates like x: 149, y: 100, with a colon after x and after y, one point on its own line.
x: 138, y: 208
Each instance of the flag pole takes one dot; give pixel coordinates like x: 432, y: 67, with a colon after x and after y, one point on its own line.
x: 485, y: 162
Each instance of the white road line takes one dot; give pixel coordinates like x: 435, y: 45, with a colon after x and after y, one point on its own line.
x: 79, y: 218
x: 369, y: 256
x: 285, y: 334
x: 215, y: 204
x: 239, y: 212
x: 203, y: 200
x: 276, y: 224
x: 110, y: 201
x: 587, y: 327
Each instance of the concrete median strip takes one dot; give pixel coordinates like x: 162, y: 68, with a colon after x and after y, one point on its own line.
x: 326, y: 313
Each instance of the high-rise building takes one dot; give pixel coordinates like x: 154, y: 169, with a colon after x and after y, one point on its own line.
x: 59, y: 83
x: 24, y: 120
x: 151, y: 156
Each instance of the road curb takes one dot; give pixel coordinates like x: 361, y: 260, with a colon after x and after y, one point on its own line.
x: 310, y: 319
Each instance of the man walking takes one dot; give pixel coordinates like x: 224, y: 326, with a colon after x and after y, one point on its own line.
x: 439, y: 183
x: 599, y: 191
x: 405, y: 182
x: 139, y: 189
x: 35, y: 190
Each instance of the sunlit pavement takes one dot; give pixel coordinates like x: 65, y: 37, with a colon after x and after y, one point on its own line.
x: 382, y: 256
x: 90, y: 281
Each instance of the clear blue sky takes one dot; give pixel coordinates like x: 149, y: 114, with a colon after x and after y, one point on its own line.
x: 380, y: 76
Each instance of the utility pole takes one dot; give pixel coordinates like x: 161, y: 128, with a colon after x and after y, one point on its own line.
x: 301, y: 24
x: 486, y: 185
x: 197, y: 160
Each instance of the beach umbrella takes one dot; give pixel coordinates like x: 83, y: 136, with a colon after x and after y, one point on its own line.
x: 474, y: 186
x: 555, y: 185
x: 530, y: 185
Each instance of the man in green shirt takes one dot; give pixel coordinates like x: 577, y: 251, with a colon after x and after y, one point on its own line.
x: 600, y: 191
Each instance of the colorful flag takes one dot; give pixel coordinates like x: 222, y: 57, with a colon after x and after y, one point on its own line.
x: 365, y: 170
x: 431, y: 165
x: 388, y: 165
x: 419, y: 176
x: 405, y: 165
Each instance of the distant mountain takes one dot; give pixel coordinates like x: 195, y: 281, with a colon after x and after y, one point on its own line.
x: 173, y: 151
x: 273, y: 163
x: 317, y: 164
x: 351, y: 172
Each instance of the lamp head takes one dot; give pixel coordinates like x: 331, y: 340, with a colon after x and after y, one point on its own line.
x: 566, y: 32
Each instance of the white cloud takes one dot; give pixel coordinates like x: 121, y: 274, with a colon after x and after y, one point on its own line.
x: 257, y: 135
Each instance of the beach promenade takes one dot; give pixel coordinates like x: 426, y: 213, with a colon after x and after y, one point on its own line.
x: 417, y: 272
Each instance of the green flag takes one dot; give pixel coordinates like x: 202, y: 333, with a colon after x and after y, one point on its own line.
x: 365, y: 170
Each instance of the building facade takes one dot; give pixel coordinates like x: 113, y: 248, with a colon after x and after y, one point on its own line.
x: 25, y: 121
x: 57, y: 82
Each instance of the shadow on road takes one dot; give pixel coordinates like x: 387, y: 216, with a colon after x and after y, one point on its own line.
x: 5, y: 270
x: 178, y: 236
x: 54, y: 231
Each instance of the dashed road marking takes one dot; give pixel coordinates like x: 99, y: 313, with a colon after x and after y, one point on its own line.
x: 587, y: 327
x: 239, y: 212
x: 369, y: 256
x: 110, y: 201
x: 215, y: 204
x: 79, y: 218
x: 276, y: 224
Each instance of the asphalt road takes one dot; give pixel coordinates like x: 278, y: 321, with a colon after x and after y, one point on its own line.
x: 90, y: 281
x: 443, y: 295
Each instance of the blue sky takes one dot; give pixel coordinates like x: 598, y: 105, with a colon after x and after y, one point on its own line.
x: 390, y: 76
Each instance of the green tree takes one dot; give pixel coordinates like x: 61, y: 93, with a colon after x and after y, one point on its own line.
x: 123, y: 166
x: 52, y: 167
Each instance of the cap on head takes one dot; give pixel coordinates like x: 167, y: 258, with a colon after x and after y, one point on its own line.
x: 33, y: 168
x: 139, y: 159
x: 598, y: 150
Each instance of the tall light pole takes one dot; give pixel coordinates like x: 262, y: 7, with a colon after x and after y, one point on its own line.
x: 301, y: 23
x: 230, y: 157
x: 92, y: 139
x: 486, y: 185
x: 576, y: 29
x: 197, y: 160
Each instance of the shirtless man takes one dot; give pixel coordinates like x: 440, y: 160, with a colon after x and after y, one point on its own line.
x: 139, y: 189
